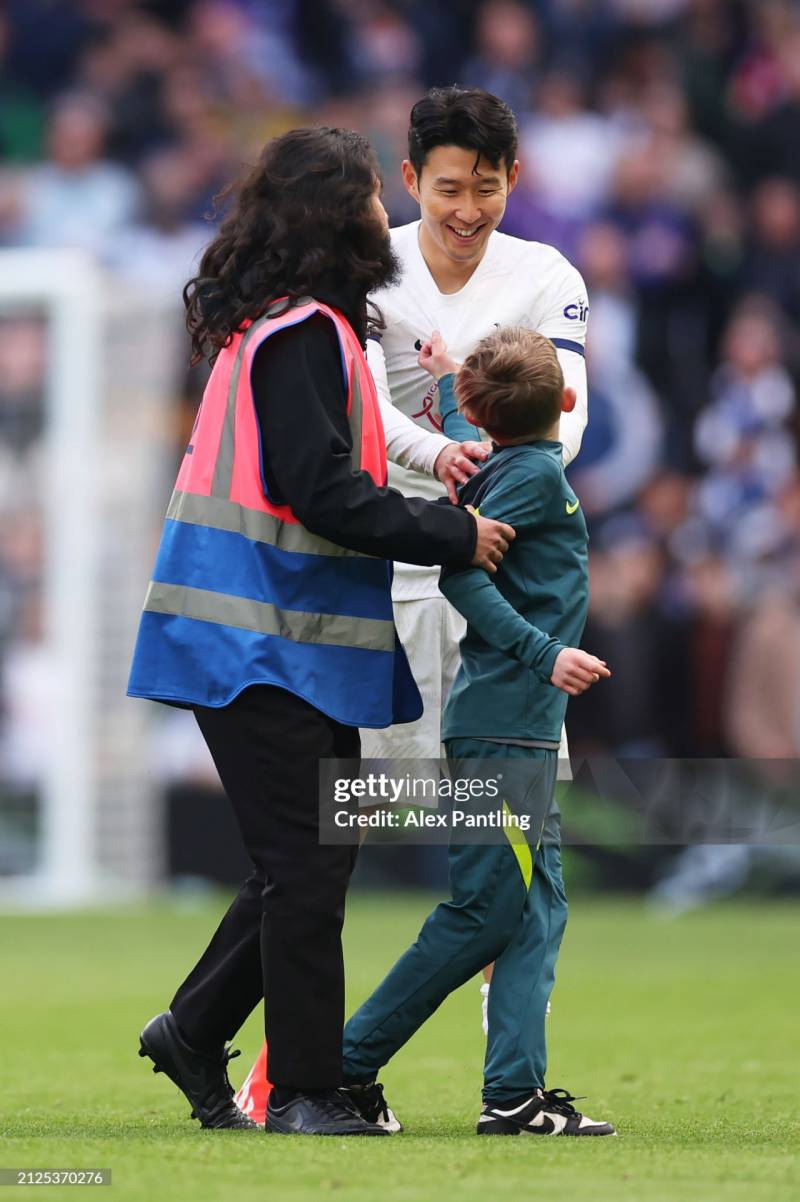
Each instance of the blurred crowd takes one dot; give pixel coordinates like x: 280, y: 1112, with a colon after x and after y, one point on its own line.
x: 660, y: 148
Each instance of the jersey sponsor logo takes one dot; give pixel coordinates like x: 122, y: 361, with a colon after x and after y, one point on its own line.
x: 427, y: 409
x: 577, y: 312
x: 571, y: 508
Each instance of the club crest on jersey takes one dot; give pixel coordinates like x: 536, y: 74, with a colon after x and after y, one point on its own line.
x: 577, y: 312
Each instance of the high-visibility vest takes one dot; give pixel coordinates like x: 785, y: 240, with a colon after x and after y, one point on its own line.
x: 242, y: 593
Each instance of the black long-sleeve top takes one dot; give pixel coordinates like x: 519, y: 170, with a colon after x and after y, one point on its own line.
x: 301, y: 404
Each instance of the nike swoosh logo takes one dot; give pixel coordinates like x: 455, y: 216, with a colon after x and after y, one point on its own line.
x: 508, y: 1114
x: 545, y: 1126
x: 571, y: 508
x: 542, y: 1124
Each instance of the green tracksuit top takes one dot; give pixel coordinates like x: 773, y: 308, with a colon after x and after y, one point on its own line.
x: 519, y: 619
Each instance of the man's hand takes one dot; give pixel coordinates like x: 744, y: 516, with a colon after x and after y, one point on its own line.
x: 575, y: 671
x: 434, y: 357
x: 456, y: 462
x: 492, y: 542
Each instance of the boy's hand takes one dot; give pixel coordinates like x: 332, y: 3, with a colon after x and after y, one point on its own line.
x: 434, y: 357
x: 492, y: 542
x: 454, y: 464
x: 575, y: 670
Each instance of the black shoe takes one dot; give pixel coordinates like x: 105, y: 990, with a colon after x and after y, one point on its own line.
x: 372, y: 1106
x: 326, y: 1112
x: 202, y: 1078
x: 545, y: 1112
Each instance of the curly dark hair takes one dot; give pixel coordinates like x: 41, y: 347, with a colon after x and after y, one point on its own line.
x: 301, y: 220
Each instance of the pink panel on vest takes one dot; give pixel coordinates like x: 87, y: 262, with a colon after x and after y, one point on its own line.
x: 197, y: 469
x: 246, y: 484
x: 373, y: 436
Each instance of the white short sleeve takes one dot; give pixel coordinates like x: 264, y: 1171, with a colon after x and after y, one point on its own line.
x: 566, y: 317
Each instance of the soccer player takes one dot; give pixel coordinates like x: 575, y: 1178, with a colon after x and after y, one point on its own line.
x: 460, y: 276
x: 520, y: 661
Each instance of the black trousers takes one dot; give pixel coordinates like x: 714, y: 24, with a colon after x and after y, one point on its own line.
x: 281, y: 937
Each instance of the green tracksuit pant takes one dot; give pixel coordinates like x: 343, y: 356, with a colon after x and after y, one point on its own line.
x: 507, y: 905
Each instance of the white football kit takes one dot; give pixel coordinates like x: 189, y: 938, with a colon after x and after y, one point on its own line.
x: 516, y: 283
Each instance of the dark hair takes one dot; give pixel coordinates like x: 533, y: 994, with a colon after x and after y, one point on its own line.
x: 301, y: 219
x: 512, y: 384
x: 465, y: 117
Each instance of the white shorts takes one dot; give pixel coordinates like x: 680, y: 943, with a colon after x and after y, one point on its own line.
x: 430, y: 629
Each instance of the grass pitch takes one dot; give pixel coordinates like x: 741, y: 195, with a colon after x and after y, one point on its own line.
x: 683, y: 1033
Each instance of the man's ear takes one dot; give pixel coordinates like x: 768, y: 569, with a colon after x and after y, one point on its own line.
x: 410, y: 179
x: 513, y: 176
x: 569, y: 398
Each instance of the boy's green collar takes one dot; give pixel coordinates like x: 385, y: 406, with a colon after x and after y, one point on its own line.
x: 547, y: 443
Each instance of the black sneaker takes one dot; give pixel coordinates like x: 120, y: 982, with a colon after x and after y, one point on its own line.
x: 323, y: 1112
x: 201, y: 1077
x: 372, y: 1106
x: 545, y: 1112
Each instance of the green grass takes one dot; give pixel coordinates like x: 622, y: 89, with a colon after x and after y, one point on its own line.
x: 684, y: 1034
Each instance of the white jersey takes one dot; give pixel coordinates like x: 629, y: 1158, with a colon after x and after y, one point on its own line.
x: 516, y: 283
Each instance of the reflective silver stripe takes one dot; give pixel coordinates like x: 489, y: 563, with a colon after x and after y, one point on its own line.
x: 355, y: 418
x: 223, y: 468
x: 372, y: 634
x: 254, y: 524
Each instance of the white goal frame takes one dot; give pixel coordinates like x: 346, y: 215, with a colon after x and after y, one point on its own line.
x: 65, y: 285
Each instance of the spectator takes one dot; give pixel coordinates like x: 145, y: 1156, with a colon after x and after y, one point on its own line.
x: 763, y: 702
x: 385, y: 45
x: 743, y: 436
x: 693, y: 170
x: 160, y: 251
x: 773, y: 145
x: 570, y: 152
x: 126, y: 65
x: 773, y: 258
x: 507, y: 52
x: 76, y: 197
x: 640, y: 712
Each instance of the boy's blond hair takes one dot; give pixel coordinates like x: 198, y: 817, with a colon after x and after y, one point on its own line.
x: 512, y: 384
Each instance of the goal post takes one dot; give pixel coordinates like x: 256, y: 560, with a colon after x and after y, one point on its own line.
x: 110, y: 376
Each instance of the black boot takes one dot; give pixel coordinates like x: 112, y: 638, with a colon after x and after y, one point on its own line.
x: 320, y: 1112
x: 201, y: 1076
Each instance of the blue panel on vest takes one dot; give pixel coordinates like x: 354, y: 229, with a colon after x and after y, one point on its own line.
x: 202, y: 663
x: 224, y: 562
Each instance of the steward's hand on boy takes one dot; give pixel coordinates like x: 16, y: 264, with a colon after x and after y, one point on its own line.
x: 454, y: 464
x: 575, y: 671
x: 434, y: 357
x: 492, y: 542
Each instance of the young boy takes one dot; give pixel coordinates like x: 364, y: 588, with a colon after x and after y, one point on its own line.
x: 519, y: 663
